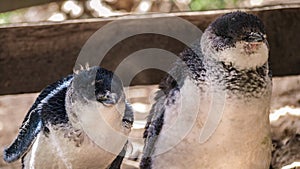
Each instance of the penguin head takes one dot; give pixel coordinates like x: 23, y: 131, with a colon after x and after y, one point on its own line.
x: 96, y: 104
x: 97, y: 94
x: 109, y: 92
x: 108, y: 88
x: 237, y: 39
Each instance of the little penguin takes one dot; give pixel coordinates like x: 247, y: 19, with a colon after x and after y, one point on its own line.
x: 212, y: 109
x: 62, y: 128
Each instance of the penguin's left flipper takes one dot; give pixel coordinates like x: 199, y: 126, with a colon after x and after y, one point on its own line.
x: 27, y: 134
x: 116, y: 164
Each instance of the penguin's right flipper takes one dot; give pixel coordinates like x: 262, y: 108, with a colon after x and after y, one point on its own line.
x: 165, y: 97
x: 33, y: 121
x: 25, y: 138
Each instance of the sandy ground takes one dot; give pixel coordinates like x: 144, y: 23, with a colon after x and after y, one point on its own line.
x: 286, y: 91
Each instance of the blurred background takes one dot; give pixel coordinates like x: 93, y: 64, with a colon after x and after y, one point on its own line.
x: 14, y: 11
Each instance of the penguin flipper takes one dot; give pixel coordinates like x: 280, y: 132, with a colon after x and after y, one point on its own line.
x: 164, y: 98
x: 33, y: 121
x: 25, y: 138
x: 152, y: 130
x: 116, y: 164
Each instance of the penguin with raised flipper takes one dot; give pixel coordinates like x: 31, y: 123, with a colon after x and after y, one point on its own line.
x: 61, y: 128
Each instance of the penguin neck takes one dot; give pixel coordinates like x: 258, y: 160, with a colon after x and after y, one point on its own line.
x: 253, y: 82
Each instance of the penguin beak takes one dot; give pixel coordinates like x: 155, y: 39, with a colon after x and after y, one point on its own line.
x: 107, y: 99
x: 255, y: 37
x: 128, y: 116
x: 127, y: 123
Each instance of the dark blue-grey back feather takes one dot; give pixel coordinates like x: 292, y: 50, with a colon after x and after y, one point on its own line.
x: 39, y: 114
x: 27, y: 134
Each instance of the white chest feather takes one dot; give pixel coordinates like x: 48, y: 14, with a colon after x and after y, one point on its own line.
x: 245, y: 55
x: 235, y: 138
x: 59, y: 150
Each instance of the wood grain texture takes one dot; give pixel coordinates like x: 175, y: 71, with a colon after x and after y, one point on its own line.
x: 9, y: 5
x: 34, y: 55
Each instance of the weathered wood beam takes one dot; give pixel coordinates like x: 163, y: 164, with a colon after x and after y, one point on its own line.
x: 34, y: 55
x: 9, y: 5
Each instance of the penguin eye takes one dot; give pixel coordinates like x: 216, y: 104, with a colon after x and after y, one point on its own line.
x: 108, y: 99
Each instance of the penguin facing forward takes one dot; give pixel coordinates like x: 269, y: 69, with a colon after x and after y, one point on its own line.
x: 232, y: 59
x: 58, y: 131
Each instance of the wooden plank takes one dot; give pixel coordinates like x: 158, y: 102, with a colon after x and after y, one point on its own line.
x: 9, y: 5
x: 34, y: 55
